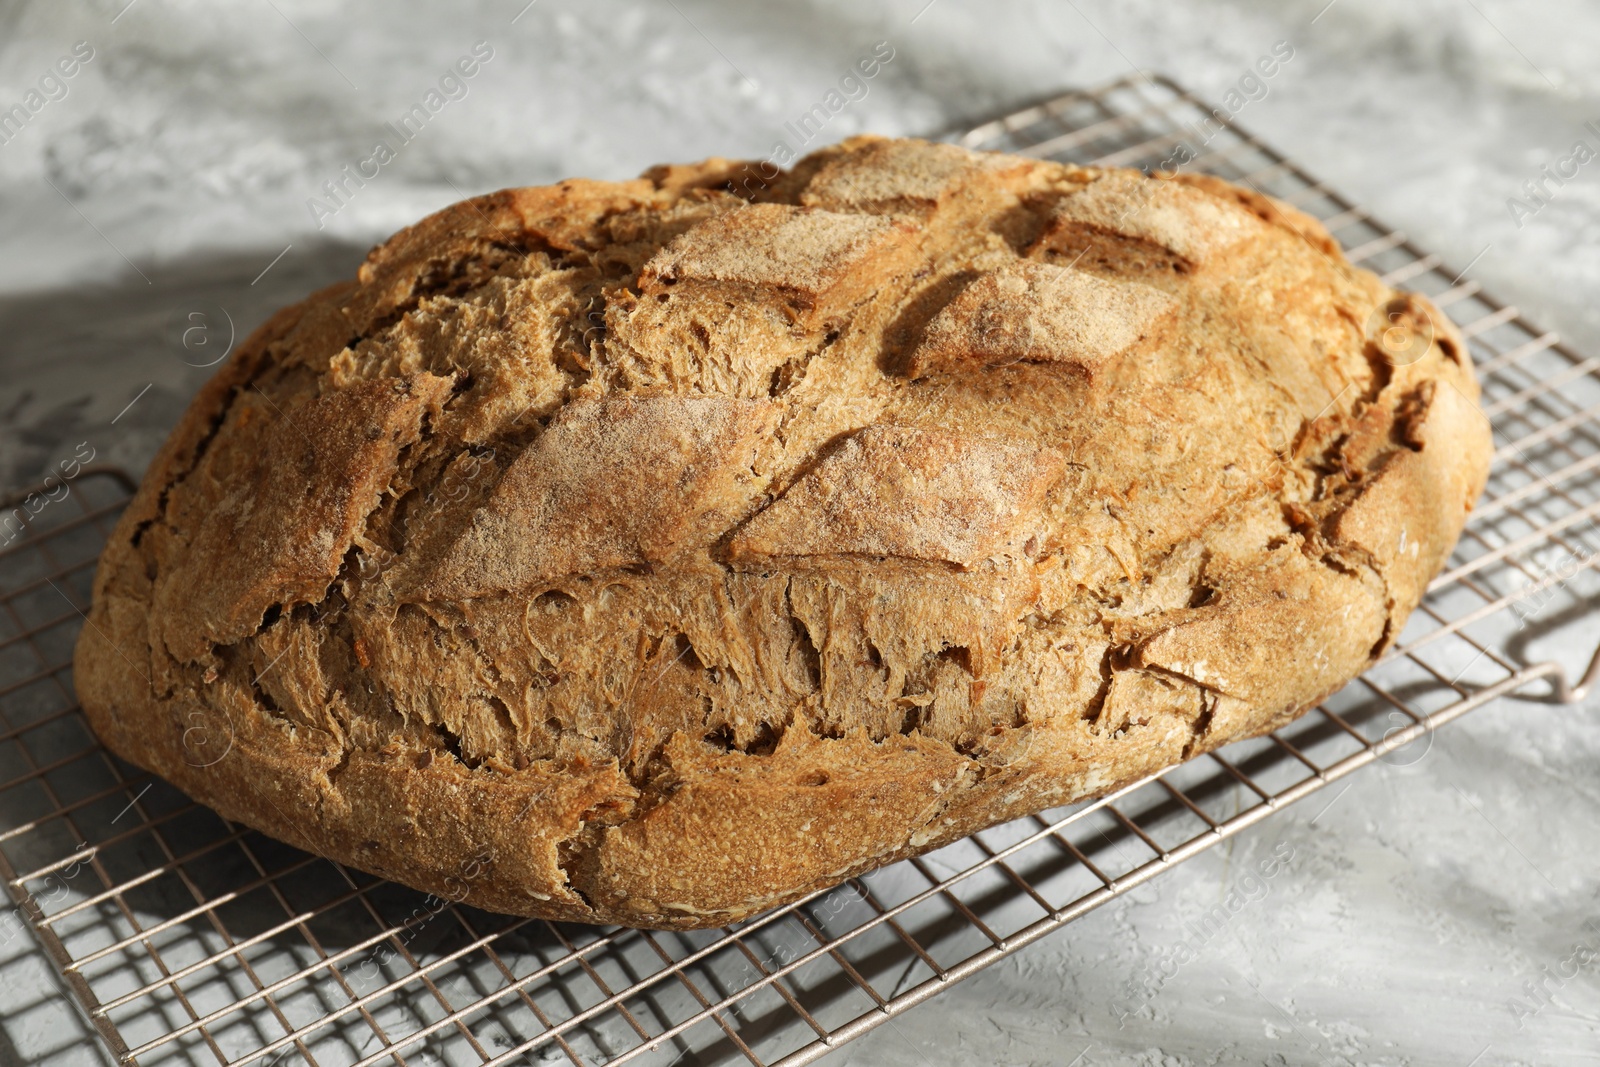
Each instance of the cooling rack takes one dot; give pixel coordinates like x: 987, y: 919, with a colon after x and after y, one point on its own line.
x: 186, y: 939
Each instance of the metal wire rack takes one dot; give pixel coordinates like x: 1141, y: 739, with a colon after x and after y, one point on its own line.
x: 187, y: 939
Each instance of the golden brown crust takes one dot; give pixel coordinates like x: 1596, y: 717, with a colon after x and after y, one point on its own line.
x: 632, y: 552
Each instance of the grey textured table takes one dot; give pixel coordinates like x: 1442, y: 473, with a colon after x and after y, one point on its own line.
x: 173, y: 182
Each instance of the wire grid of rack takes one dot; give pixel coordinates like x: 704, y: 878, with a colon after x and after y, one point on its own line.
x: 187, y: 939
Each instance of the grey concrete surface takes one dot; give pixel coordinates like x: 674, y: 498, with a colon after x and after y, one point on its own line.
x: 172, y: 181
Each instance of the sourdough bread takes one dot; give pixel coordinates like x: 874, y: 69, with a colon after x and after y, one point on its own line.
x: 637, y: 552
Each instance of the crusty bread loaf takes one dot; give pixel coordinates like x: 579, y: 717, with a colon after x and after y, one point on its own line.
x: 634, y: 552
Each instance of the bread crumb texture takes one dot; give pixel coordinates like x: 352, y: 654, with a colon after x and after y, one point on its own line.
x: 639, y: 553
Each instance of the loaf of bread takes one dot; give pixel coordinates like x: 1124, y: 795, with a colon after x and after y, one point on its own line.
x: 657, y: 552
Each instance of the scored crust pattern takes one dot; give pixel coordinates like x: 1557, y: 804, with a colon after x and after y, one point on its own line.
x: 657, y: 556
